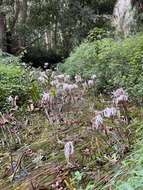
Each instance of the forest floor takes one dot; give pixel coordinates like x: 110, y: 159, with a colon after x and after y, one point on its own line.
x: 97, y: 157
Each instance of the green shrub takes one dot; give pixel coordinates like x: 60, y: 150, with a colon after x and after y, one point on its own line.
x: 116, y: 63
x: 14, y: 80
x: 82, y: 60
x: 98, y: 34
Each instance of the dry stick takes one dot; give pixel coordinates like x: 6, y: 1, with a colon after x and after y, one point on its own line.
x: 17, y: 165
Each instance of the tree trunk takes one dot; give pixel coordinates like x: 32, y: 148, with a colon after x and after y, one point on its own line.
x: 10, y: 38
x: 23, y: 18
x: 22, y: 21
x: 46, y: 40
x: 2, y: 32
x: 15, y: 19
x: 23, y: 11
x: 55, y: 33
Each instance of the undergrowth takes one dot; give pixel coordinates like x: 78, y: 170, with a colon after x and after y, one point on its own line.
x: 115, y: 62
x: 14, y: 81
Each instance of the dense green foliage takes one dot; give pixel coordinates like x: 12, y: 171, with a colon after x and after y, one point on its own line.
x: 116, y: 63
x: 99, y: 33
x: 14, y: 80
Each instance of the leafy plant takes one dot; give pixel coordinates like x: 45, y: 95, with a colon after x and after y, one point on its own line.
x: 14, y: 80
x: 98, y: 34
x: 77, y: 179
x: 115, y: 62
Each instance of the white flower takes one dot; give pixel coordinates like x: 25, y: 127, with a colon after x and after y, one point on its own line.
x: 120, y: 96
x: 97, y: 121
x: 78, y: 78
x: 10, y: 99
x: 46, y: 65
x: 74, y: 86
x: 59, y: 77
x: 123, y: 98
x: 85, y: 85
x: 43, y: 77
x: 91, y: 83
x: 69, y: 87
x: 68, y: 150
x: 67, y: 78
x: 45, y: 97
x: 93, y: 77
x: 109, y: 112
x: 53, y: 75
x: 118, y: 92
x: 54, y: 82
